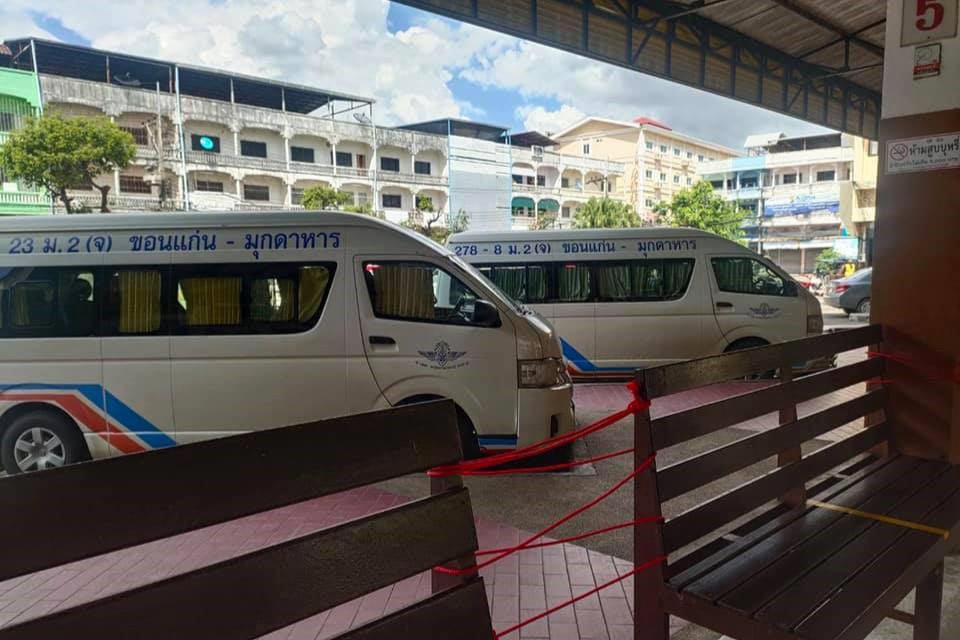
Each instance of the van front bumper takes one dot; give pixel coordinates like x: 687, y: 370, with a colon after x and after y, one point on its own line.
x: 544, y: 413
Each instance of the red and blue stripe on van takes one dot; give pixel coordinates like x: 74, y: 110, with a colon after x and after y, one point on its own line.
x: 96, y: 410
x: 580, y: 366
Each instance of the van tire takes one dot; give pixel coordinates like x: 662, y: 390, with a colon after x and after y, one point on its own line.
x: 751, y: 343
x: 47, y: 425
x: 469, y: 441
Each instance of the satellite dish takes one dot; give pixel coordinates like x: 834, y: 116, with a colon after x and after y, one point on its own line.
x: 362, y: 118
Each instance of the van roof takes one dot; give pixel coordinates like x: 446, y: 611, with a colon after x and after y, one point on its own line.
x: 203, y: 220
x: 578, y: 234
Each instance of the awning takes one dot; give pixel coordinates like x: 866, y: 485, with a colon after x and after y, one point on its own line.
x: 521, y: 202
x: 548, y: 205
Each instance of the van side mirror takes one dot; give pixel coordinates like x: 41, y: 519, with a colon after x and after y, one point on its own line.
x: 485, y: 314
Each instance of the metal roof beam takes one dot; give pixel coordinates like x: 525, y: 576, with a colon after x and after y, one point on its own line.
x: 803, y: 12
x: 845, y: 38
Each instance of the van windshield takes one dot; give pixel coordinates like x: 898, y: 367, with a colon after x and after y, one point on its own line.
x: 490, y: 288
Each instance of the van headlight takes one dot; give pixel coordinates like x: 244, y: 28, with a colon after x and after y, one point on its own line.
x: 539, y: 374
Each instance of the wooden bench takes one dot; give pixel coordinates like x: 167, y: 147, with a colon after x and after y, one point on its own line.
x: 62, y: 515
x: 806, y: 566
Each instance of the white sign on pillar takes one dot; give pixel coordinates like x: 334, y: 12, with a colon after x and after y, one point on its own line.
x: 927, y: 20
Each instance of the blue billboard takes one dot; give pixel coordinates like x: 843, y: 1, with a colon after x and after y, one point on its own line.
x: 801, y: 205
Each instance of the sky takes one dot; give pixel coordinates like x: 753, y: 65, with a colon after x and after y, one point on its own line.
x: 416, y: 65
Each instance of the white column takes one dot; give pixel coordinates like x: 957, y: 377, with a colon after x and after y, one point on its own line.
x: 236, y: 141
x: 239, y: 189
x: 289, y: 197
x: 286, y: 149
x: 116, y: 180
x: 333, y: 150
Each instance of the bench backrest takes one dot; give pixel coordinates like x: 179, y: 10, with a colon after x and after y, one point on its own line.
x: 787, y: 482
x: 84, y: 510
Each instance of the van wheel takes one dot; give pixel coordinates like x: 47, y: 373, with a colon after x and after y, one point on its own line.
x: 750, y: 343
x: 469, y: 441
x: 42, y: 439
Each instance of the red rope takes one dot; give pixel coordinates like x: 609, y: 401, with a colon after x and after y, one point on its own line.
x: 573, y: 514
x: 470, y: 467
x: 576, y: 538
x: 550, y: 467
x: 554, y: 609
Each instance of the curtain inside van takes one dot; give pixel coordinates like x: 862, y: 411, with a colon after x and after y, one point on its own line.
x: 510, y: 280
x: 313, y: 286
x: 212, y: 301
x: 573, y: 283
x: 676, y: 276
x: 139, y: 301
x: 404, y: 291
x: 734, y: 274
x: 536, y: 284
x: 271, y: 300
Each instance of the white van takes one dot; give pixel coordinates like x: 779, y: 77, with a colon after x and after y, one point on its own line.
x: 121, y: 333
x: 622, y: 299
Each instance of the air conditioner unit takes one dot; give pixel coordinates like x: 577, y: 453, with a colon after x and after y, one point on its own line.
x: 537, y: 152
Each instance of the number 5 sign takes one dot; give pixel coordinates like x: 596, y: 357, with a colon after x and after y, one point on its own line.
x: 926, y: 20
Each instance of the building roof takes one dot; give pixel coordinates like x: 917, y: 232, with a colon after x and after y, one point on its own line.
x: 668, y: 132
x: 644, y: 121
x: 462, y: 128
x: 763, y: 139
x: 531, y: 139
x: 86, y: 63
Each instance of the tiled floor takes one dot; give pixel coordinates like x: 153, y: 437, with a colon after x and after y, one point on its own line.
x: 518, y: 587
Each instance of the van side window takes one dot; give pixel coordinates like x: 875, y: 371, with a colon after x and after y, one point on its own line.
x: 249, y: 298
x: 134, y: 301
x: 750, y: 276
x: 418, y: 292
x: 48, y: 302
x: 594, y: 281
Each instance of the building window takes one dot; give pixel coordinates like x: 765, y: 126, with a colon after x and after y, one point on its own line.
x: 648, y: 203
x: 663, y: 148
x: 344, y: 159
x: 689, y: 181
x: 133, y: 184
x: 256, y: 192
x: 390, y: 164
x: 139, y: 135
x: 663, y: 177
x: 209, y: 185
x: 676, y: 179
x: 517, y: 179
x: 203, y: 142
x: 302, y: 154
x: 530, y: 181
x: 700, y: 157
x: 361, y: 161
x: 296, y: 196
x: 541, y: 181
x: 826, y: 176
x: 649, y: 145
x: 748, y: 183
x: 391, y: 201
x: 253, y: 149
x: 676, y: 151
x: 747, y: 275
x: 716, y: 184
x: 648, y: 173
x: 789, y: 178
x: 421, y: 167
x: 565, y: 212
x: 689, y: 154
x: 564, y: 183
x: 586, y: 148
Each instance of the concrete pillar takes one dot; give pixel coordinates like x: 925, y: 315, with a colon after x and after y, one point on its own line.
x: 239, y: 189
x: 918, y: 232
x: 116, y: 181
x: 333, y: 156
x: 288, y: 198
x: 236, y: 141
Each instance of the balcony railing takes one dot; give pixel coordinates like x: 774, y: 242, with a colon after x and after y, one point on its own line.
x: 412, y: 178
x: 24, y: 202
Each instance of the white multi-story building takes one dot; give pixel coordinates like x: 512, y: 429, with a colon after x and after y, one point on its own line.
x: 217, y: 140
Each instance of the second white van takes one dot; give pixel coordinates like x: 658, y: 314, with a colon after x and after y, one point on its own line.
x: 623, y: 299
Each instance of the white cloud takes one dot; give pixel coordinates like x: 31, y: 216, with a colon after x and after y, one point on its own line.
x: 538, y: 72
x: 539, y: 118
x: 333, y: 44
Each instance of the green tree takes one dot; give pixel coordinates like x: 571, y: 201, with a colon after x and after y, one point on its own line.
x: 59, y: 153
x: 364, y: 208
x: 424, y: 223
x: 698, y: 207
x: 826, y: 261
x: 545, y: 221
x: 599, y: 213
x: 323, y: 197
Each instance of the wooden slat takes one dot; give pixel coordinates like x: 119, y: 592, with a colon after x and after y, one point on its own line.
x: 892, y: 575
x: 251, y: 595
x: 701, y: 520
x: 850, y: 492
x: 811, y: 572
x: 697, y: 471
x: 461, y: 612
x: 673, y: 378
x: 692, y: 423
x: 788, y: 414
x: 138, y: 498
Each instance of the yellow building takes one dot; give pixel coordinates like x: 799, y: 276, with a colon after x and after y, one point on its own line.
x: 658, y: 161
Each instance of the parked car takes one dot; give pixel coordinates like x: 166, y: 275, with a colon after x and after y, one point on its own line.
x: 851, y: 294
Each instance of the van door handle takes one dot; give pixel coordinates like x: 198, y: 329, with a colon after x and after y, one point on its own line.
x: 382, y: 340
x: 724, y: 305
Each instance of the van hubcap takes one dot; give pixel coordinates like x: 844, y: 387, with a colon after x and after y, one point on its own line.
x: 39, y: 448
